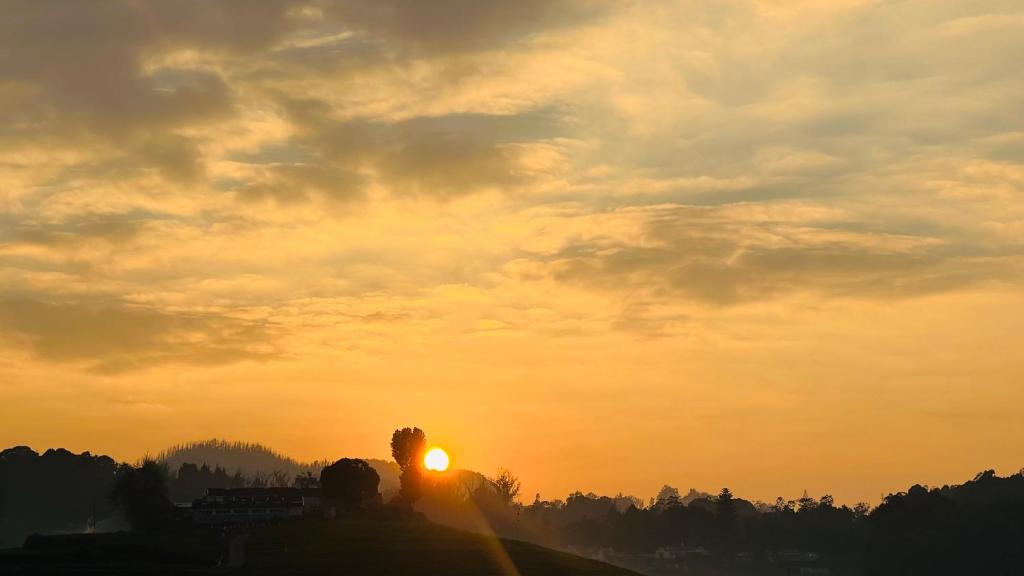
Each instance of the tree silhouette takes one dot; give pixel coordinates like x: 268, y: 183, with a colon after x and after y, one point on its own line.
x: 279, y: 479
x: 351, y: 484
x: 142, y: 494
x: 806, y: 502
x: 725, y: 510
x: 506, y: 485
x: 193, y: 481
x: 667, y: 497
x: 407, y: 448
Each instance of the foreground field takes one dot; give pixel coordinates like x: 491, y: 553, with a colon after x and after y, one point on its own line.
x: 117, y: 553
x: 396, y: 548
x: 310, y: 547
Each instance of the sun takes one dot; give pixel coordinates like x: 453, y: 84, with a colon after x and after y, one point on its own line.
x: 436, y: 460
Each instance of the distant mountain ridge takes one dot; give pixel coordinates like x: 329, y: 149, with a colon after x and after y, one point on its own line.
x: 254, y: 459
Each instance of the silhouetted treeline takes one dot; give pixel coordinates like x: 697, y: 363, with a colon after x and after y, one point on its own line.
x: 60, y: 491
x: 56, y: 491
x: 723, y: 526
x: 248, y: 458
x: 973, y: 528
x: 191, y: 481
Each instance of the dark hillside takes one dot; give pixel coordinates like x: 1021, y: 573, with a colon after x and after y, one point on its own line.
x: 297, y: 548
x: 395, y: 548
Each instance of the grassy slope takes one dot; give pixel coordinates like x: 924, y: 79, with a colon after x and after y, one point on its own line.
x: 391, y: 548
x: 312, y: 547
x: 114, y: 553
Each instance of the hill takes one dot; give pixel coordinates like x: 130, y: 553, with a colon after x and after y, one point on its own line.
x: 257, y: 460
x: 403, y: 548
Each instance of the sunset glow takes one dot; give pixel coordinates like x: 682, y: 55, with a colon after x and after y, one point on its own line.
x: 609, y: 245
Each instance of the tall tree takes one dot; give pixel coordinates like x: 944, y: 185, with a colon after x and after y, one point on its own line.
x: 407, y: 448
x: 725, y: 516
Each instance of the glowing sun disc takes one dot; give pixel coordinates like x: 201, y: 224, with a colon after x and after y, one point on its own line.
x: 436, y: 460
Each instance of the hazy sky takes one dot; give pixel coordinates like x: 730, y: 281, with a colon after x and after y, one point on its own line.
x: 769, y: 244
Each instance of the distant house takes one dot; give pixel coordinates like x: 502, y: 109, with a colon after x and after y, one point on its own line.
x: 310, y: 499
x: 252, y: 505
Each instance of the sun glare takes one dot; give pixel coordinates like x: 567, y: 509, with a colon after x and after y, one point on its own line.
x: 436, y: 460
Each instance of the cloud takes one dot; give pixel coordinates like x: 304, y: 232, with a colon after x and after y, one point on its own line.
x: 438, y: 157
x: 111, y: 337
x: 715, y: 256
x: 70, y: 234
x: 99, y: 78
x: 458, y: 25
x: 443, y: 165
x: 299, y: 183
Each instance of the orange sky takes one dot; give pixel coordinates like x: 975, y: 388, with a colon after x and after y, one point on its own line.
x: 609, y: 245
